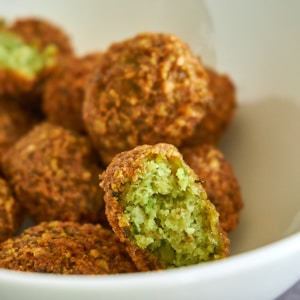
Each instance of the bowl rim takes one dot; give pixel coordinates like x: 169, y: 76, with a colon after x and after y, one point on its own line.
x: 236, y: 264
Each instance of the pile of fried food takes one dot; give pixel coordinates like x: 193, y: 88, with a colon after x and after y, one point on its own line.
x: 112, y: 155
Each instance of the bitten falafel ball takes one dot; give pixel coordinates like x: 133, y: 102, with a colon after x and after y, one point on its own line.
x: 66, y: 248
x: 11, y: 213
x: 29, y: 49
x: 54, y: 173
x: 219, y: 112
x: 156, y: 206
x: 14, y: 123
x: 219, y: 181
x: 147, y: 89
x: 64, y: 91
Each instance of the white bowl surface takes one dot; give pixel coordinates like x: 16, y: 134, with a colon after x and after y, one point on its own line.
x: 257, y: 43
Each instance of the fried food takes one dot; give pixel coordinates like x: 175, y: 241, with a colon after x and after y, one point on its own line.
x: 147, y: 89
x: 219, y: 181
x: 41, y: 33
x: 14, y: 123
x: 11, y: 214
x: 29, y: 49
x: 64, y: 91
x: 219, y: 112
x: 157, y: 206
x: 54, y: 173
x: 66, y: 248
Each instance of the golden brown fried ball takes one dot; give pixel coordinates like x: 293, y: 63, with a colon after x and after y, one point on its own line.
x: 219, y: 112
x: 54, y: 173
x: 158, y: 208
x: 30, y: 48
x: 64, y: 91
x: 14, y: 123
x: 147, y: 89
x: 219, y: 181
x: 66, y: 248
x: 11, y: 214
x: 41, y: 33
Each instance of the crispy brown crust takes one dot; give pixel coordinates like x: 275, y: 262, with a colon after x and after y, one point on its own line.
x: 54, y: 173
x: 42, y: 33
x: 64, y: 91
x: 14, y: 123
x: 147, y: 89
x: 220, y: 183
x: 123, y: 169
x: 66, y: 248
x: 219, y: 112
x: 11, y: 213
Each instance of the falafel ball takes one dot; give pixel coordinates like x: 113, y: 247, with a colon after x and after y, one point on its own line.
x: 147, y: 89
x: 54, y: 173
x: 156, y: 206
x: 219, y: 181
x: 41, y: 33
x: 64, y: 91
x: 66, y: 248
x: 29, y: 49
x: 14, y: 123
x: 11, y: 213
x: 219, y: 112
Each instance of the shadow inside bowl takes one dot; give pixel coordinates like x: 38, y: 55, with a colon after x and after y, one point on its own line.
x: 263, y: 146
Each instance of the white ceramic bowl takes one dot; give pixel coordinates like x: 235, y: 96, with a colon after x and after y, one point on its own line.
x: 258, y: 44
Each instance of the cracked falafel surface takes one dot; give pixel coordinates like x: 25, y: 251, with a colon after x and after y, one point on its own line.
x: 156, y: 206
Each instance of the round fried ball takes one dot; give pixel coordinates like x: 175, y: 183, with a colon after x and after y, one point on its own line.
x: 66, y: 248
x: 64, y: 91
x: 54, y: 173
x: 41, y: 33
x: 11, y: 213
x: 219, y: 181
x: 147, y: 89
x: 29, y: 49
x: 157, y: 206
x: 219, y: 112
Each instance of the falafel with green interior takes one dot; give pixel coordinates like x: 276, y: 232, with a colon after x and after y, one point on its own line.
x: 157, y: 206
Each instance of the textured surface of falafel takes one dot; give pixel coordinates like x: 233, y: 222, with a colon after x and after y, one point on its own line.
x: 14, y: 123
x: 156, y: 206
x: 147, y: 89
x: 64, y: 91
x: 66, y: 248
x: 41, y: 33
x: 219, y: 111
x: 219, y: 182
x: 22, y: 65
x: 54, y: 173
x: 11, y: 214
